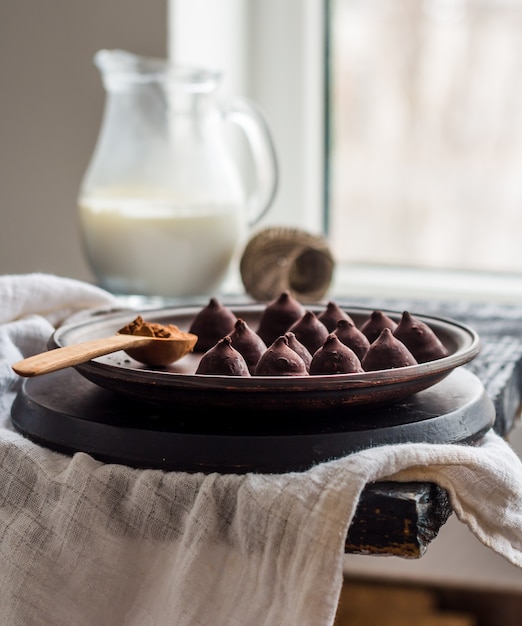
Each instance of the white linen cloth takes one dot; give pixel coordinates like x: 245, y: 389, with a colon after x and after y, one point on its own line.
x: 90, y: 544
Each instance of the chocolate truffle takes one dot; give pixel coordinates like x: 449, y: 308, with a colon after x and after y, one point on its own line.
x: 331, y: 315
x: 335, y: 358
x: 211, y: 324
x: 280, y: 360
x: 248, y: 343
x: 376, y: 323
x: 387, y: 352
x: 310, y: 331
x: 420, y: 339
x: 298, y: 347
x: 348, y: 333
x: 223, y: 359
x: 278, y: 316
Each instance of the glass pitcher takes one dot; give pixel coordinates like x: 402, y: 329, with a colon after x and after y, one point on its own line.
x: 162, y: 207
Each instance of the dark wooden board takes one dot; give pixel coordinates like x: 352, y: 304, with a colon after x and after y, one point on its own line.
x: 397, y: 519
x: 66, y: 412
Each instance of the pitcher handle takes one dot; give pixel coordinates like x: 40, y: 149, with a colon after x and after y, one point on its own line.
x: 251, y: 121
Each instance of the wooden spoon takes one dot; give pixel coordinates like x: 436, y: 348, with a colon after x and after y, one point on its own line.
x: 149, y: 350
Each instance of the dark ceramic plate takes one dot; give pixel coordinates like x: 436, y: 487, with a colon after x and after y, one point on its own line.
x: 179, y: 386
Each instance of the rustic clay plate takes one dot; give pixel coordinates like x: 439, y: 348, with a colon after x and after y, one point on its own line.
x: 179, y: 386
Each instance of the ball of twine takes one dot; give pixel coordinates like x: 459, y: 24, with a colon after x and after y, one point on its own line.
x: 278, y: 259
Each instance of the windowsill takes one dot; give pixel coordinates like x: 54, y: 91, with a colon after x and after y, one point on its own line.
x: 391, y: 282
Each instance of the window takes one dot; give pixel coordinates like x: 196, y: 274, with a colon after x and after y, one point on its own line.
x: 426, y: 133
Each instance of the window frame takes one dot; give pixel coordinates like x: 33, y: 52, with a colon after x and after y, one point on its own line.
x: 275, y: 52
x: 267, y: 49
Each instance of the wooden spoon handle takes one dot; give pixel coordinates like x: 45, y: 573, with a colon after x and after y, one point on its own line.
x: 59, y: 358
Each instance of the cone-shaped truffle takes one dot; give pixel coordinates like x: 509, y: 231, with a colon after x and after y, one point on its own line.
x: 420, y: 339
x: 335, y: 358
x: 298, y: 347
x: 223, y: 360
x: 278, y: 316
x: 376, y: 323
x: 351, y: 336
x: 280, y: 360
x: 387, y: 352
x: 331, y: 315
x: 248, y: 343
x: 310, y: 331
x: 211, y: 324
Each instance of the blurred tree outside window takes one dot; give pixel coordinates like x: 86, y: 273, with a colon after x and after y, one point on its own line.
x: 425, y: 133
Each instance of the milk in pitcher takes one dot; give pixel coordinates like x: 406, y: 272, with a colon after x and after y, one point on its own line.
x: 159, y: 246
